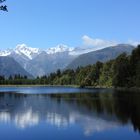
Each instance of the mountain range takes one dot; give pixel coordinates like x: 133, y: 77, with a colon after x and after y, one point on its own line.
x: 37, y: 62
x: 102, y: 55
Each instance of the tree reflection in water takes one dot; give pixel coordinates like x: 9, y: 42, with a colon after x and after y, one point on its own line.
x: 94, y: 112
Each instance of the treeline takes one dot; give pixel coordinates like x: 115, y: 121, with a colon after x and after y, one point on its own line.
x: 14, y: 80
x: 124, y: 71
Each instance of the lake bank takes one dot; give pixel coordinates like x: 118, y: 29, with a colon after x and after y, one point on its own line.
x: 132, y: 89
x: 76, y: 86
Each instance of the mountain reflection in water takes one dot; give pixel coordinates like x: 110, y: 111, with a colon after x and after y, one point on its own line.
x: 92, y: 112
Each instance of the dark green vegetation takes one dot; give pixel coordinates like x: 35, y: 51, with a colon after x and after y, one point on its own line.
x: 3, y: 7
x: 124, y: 71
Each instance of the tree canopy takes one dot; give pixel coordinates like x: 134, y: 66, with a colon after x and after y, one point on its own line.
x: 3, y: 7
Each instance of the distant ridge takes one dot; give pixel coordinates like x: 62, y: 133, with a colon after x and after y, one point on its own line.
x: 8, y: 66
x: 102, y: 55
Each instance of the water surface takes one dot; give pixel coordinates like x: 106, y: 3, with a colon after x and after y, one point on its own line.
x: 68, y: 113
x: 47, y: 90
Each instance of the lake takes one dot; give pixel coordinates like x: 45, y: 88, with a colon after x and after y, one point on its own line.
x: 65, y: 113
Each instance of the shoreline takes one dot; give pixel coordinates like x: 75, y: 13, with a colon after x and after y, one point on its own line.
x: 76, y: 86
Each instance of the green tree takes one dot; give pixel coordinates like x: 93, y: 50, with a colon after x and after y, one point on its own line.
x: 137, y: 80
x: 82, y: 75
x: 135, y: 66
x: 106, y: 75
x: 2, y: 79
x: 65, y: 80
x: 10, y: 77
x: 95, y: 73
x: 58, y: 72
x: 3, y: 7
x: 121, y: 74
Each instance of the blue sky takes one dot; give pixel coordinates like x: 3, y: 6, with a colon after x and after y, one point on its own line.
x: 46, y: 23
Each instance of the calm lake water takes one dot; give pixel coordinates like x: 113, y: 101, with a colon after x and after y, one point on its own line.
x: 62, y: 113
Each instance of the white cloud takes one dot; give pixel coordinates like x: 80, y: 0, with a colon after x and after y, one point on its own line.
x: 57, y: 119
x: 134, y: 43
x: 27, y: 118
x: 90, y: 44
x: 5, y: 116
x: 96, y: 42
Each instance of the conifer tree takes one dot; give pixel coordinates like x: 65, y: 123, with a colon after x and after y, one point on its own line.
x: 3, y: 7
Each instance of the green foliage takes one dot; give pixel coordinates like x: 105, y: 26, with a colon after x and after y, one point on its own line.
x: 121, y: 75
x: 3, y: 7
x: 96, y: 73
x: 106, y: 74
x: 137, y: 77
x: 135, y: 66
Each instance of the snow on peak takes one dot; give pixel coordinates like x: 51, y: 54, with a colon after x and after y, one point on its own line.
x: 29, y: 52
x: 22, y: 50
x: 58, y: 49
x: 24, y: 47
x: 5, y: 52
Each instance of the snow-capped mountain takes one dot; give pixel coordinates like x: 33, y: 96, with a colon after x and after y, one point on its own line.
x: 27, y: 51
x: 59, y: 49
x: 41, y: 62
x: 22, y: 50
x: 30, y: 53
x: 5, y: 52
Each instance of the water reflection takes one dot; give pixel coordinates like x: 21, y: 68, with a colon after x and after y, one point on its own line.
x: 92, y: 112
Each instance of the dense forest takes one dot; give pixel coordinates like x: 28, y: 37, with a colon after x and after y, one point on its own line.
x: 124, y: 71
